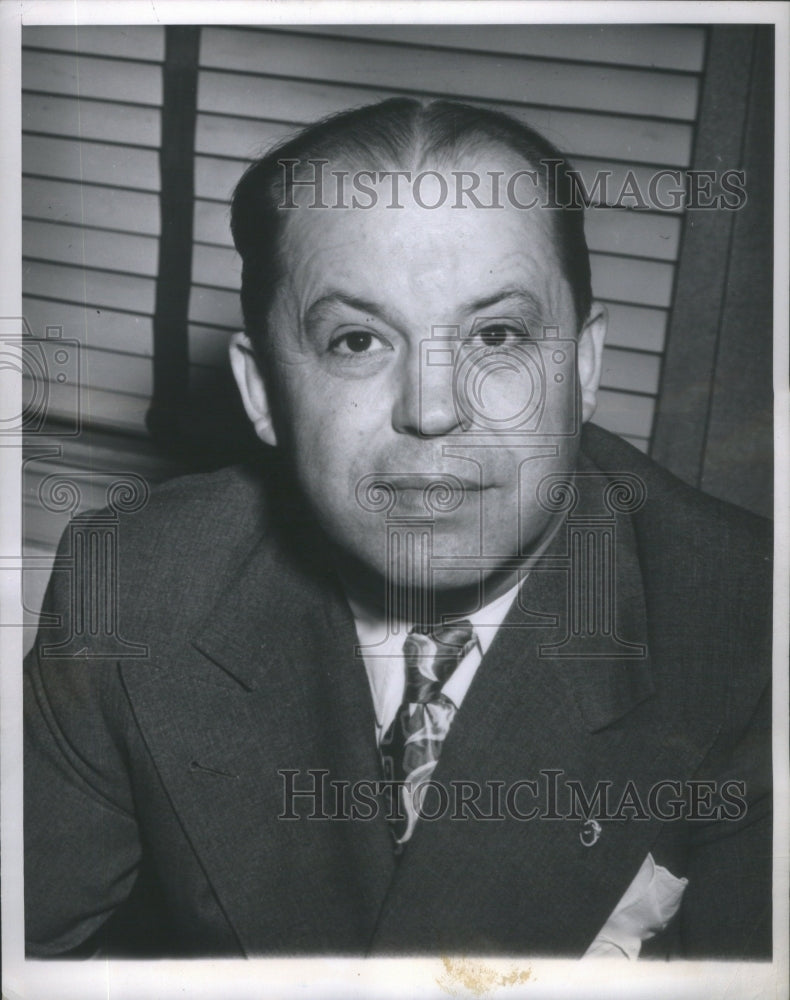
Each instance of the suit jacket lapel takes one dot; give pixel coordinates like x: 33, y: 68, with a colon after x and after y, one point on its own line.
x: 509, y: 885
x: 271, y: 685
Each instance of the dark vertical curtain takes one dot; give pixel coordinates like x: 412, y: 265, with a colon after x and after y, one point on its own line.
x: 714, y: 420
x: 197, y: 421
x: 166, y: 416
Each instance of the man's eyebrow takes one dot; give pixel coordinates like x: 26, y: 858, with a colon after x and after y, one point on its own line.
x: 524, y: 298
x: 325, y: 303
x: 520, y: 296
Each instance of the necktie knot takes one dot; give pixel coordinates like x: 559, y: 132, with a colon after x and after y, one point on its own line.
x: 432, y: 653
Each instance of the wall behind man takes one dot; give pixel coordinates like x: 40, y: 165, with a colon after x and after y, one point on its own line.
x: 616, y: 98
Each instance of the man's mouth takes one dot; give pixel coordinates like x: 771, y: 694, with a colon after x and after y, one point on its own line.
x: 403, y: 481
x: 432, y: 493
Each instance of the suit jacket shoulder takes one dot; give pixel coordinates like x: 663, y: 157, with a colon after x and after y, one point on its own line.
x: 706, y: 570
x: 673, y: 506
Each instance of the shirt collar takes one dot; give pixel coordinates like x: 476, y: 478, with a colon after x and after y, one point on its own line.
x: 375, y: 635
x: 382, y: 650
x: 381, y: 645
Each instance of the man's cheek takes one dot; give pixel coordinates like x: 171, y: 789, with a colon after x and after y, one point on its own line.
x: 330, y: 428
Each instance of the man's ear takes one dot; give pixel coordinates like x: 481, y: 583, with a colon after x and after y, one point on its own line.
x: 589, y: 354
x: 252, y: 388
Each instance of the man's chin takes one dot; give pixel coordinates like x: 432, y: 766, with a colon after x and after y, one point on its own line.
x: 412, y: 590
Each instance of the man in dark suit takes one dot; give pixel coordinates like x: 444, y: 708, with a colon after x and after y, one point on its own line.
x: 449, y: 672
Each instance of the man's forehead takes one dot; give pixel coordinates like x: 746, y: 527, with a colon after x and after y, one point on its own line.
x: 469, y: 198
x: 442, y: 256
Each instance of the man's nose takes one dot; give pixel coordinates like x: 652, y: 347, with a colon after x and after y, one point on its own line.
x: 426, y: 403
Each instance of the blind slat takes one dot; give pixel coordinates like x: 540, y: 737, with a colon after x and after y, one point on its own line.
x: 98, y: 120
x: 113, y: 331
x: 481, y: 75
x: 128, y: 42
x: 213, y: 307
x: 212, y: 223
x: 91, y: 162
x: 292, y: 102
x: 219, y: 266
x: 663, y: 46
x: 83, y: 247
x: 637, y: 281
x: 636, y: 327
x: 622, y: 413
x: 634, y: 372
x: 121, y: 373
x: 114, y: 372
x: 90, y: 205
x: 633, y: 233
x: 660, y: 46
x: 94, y: 288
x: 84, y: 76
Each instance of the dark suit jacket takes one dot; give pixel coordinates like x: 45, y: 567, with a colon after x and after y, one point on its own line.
x: 152, y: 785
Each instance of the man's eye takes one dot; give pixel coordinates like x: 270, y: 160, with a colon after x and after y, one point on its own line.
x: 500, y: 334
x: 355, y: 342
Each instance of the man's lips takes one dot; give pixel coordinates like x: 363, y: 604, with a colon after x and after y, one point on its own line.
x: 435, y: 493
x: 402, y: 481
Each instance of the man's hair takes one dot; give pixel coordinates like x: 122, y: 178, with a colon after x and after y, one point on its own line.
x: 394, y: 134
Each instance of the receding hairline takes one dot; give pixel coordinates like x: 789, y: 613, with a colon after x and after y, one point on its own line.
x: 389, y: 135
x: 423, y: 153
x: 469, y: 158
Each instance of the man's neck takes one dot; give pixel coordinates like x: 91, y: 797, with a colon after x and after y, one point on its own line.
x: 371, y: 594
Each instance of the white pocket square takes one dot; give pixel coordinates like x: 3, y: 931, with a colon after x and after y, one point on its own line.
x: 649, y: 903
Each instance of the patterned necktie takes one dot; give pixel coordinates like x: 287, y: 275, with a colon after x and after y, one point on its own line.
x: 411, y: 746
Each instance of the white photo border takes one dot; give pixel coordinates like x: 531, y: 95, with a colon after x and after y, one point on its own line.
x: 368, y: 978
